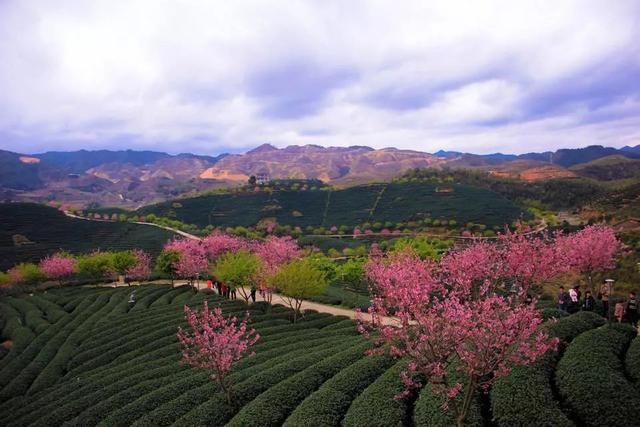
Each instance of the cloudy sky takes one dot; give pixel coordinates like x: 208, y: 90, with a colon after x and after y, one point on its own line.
x: 215, y: 76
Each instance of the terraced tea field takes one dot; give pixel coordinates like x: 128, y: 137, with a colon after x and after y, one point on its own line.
x: 351, y: 206
x: 84, y: 357
x: 48, y: 230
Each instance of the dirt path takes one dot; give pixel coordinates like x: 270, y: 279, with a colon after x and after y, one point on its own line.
x: 175, y: 230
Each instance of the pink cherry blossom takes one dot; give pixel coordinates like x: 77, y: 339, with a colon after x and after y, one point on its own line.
x: 215, y: 343
x: 193, y: 257
x: 141, y: 270
x: 58, y: 267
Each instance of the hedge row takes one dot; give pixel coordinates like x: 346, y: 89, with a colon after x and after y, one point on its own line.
x: 428, y: 411
x: 75, y: 393
x: 111, y: 372
x: 168, y: 297
x: 48, y: 351
x: 194, y: 378
x: 632, y: 361
x: 273, y: 407
x: 376, y: 405
x: 591, y: 380
x: 216, y: 410
x: 12, y: 321
x: 328, y: 405
x: 31, y: 315
x: 53, y: 311
x: 10, y: 372
x: 525, y: 396
x: 57, y: 367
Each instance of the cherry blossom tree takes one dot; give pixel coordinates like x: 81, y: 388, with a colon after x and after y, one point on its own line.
x: 193, y: 259
x: 218, y: 243
x: 58, y: 267
x: 590, y: 250
x: 274, y: 253
x: 141, y: 270
x: 215, y: 343
x: 15, y: 275
x: 457, y: 322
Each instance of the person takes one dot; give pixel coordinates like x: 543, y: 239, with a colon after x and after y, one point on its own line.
x: 209, y: 284
x: 218, y: 287
x: 618, y: 312
x: 233, y: 293
x: 589, y: 302
x: 528, y: 299
x: 605, y: 293
x: 253, y: 294
x: 574, y: 302
x: 223, y: 290
x: 563, y: 300
x: 132, y: 299
x: 578, y: 292
x: 631, y: 310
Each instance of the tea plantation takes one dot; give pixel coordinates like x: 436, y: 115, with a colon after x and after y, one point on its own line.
x: 29, y: 232
x: 351, y: 206
x: 84, y: 357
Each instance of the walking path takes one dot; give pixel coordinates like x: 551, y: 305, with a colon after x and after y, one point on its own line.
x: 280, y: 299
x: 175, y: 230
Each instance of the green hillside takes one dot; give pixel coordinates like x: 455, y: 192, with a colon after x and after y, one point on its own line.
x: 85, y: 357
x: 351, y: 206
x: 28, y: 232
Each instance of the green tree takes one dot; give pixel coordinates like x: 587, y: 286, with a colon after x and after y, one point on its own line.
x: 166, y: 262
x: 239, y: 270
x: 123, y: 261
x: 324, y: 264
x: 352, y: 273
x: 30, y: 272
x: 97, y: 265
x: 421, y: 246
x: 298, y: 280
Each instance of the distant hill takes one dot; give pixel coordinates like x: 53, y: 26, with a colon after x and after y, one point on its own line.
x: 610, y: 168
x: 135, y: 178
x: 395, y: 202
x: 336, y: 165
x: 123, y: 178
x: 29, y: 232
x: 572, y: 156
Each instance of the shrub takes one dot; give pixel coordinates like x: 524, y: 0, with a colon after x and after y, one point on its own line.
x: 632, y: 360
x: 272, y: 407
x: 376, y: 405
x: 553, y: 313
x: 590, y: 378
x: 328, y: 405
x: 525, y: 396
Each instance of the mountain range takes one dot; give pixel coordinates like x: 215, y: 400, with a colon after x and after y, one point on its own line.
x: 134, y: 178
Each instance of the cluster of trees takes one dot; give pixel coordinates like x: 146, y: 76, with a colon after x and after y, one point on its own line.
x: 134, y: 264
x: 242, y: 264
x: 460, y: 320
x: 470, y: 317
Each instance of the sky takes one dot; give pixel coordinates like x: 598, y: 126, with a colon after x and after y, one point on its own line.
x: 225, y: 76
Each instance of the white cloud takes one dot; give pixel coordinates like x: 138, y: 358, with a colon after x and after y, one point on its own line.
x: 214, y: 76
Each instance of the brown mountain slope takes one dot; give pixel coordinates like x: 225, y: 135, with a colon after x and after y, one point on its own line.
x: 337, y: 165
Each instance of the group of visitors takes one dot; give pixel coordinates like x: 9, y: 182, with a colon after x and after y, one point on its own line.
x: 573, y: 301
x: 227, y: 291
